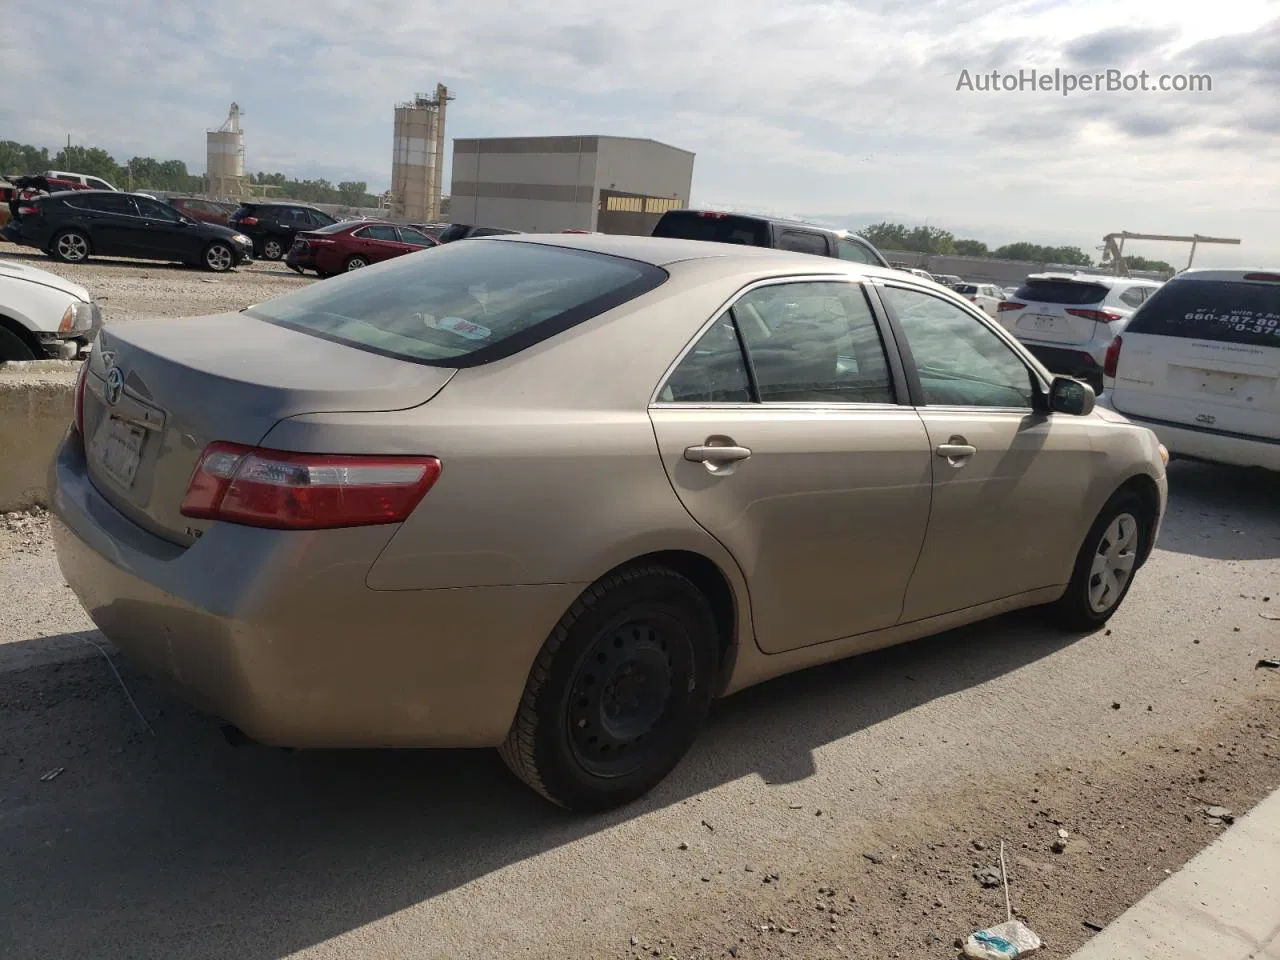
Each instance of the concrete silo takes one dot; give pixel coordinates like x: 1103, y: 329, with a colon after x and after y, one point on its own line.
x: 417, y: 160
x: 225, y: 158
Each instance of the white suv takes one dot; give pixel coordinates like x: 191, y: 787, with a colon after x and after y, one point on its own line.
x: 1199, y: 364
x: 985, y: 296
x: 1069, y: 319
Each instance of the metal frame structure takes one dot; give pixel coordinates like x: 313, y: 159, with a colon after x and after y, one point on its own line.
x: 1114, y: 252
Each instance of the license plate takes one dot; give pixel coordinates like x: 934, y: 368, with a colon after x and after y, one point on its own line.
x: 1045, y: 323
x: 1220, y: 384
x: 117, y: 446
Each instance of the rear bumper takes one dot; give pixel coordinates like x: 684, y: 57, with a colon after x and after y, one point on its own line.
x: 267, y: 631
x: 1204, y: 443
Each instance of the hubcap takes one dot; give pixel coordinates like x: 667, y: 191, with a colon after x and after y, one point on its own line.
x: 272, y: 250
x: 1113, y: 562
x: 219, y: 258
x: 355, y: 264
x: 627, y: 687
x: 73, y: 247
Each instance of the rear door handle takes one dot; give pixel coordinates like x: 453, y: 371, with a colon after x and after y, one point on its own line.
x: 710, y: 453
x: 956, y: 451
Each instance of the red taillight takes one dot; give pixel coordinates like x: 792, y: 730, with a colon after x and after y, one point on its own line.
x: 972, y: 299
x: 78, y: 411
x: 248, y: 221
x: 28, y: 211
x: 1009, y: 305
x: 305, y: 491
x: 712, y: 214
x: 1263, y: 277
x: 1098, y: 316
x: 1112, y: 360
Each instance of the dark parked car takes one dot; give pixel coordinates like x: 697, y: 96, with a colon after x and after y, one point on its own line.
x: 464, y: 231
x: 759, y: 231
x: 432, y: 230
x: 272, y: 226
x: 71, y: 226
x: 352, y: 245
x: 206, y: 211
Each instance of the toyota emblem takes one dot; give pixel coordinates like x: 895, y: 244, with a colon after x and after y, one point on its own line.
x: 114, y: 387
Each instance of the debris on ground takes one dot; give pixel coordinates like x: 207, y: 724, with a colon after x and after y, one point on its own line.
x: 1218, y: 814
x: 987, y: 876
x: 1002, y: 942
x: 1270, y: 616
x: 1058, y: 846
x: 53, y: 774
x: 708, y: 826
x: 1090, y: 925
x: 1267, y: 663
x: 873, y: 857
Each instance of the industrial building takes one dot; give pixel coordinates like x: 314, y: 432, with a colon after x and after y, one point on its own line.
x: 619, y: 185
x: 417, y: 160
x: 225, y: 157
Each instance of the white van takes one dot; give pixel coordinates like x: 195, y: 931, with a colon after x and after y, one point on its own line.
x: 1199, y: 364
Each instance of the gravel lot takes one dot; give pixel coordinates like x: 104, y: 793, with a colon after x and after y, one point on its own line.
x: 841, y: 812
x: 138, y: 289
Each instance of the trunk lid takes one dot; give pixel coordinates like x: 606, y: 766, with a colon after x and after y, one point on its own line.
x: 1205, y: 353
x: 158, y: 392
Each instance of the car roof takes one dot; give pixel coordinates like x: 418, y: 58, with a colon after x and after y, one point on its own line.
x: 1236, y: 274
x: 1105, y: 280
x: 664, y: 251
x: 765, y: 218
x: 279, y: 203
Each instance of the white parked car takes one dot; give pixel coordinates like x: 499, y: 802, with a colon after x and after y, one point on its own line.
x: 1199, y: 364
x: 43, y: 316
x: 1069, y: 319
x: 985, y: 296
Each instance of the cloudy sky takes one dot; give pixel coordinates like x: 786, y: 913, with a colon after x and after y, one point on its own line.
x: 849, y: 110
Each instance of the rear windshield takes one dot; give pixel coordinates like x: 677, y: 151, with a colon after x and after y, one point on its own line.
x: 966, y: 288
x: 463, y: 304
x: 333, y: 227
x: 455, y: 231
x: 1225, y: 310
x: 1071, y: 292
x: 717, y: 228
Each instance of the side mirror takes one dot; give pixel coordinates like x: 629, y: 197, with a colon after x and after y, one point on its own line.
x: 1071, y: 396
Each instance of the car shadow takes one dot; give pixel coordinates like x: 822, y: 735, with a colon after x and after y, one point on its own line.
x: 178, y: 844
x: 1222, y: 513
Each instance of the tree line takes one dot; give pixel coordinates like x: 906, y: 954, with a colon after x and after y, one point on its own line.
x: 934, y: 240
x: 142, y: 173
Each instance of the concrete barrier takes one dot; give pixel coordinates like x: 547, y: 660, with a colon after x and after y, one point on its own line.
x: 36, y: 403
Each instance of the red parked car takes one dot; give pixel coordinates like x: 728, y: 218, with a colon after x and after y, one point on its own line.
x: 207, y: 211
x: 352, y: 244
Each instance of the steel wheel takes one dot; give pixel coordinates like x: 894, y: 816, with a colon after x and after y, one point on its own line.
x: 272, y: 249
x: 1113, y: 563
x: 622, y: 692
x: 356, y: 263
x: 219, y: 258
x: 72, y: 247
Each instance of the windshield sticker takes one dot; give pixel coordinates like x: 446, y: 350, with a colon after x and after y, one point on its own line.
x: 464, y: 328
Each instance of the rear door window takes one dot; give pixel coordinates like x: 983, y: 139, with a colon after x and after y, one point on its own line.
x: 801, y: 241
x: 1221, y: 310
x: 715, y: 228
x: 380, y: 231
x: 415, y: 238
x: 117, y: 203
x: 466, y: 304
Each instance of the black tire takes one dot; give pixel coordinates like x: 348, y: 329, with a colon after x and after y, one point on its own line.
x: 70, y: 246
x: 218, y: 257
x: 646, y: 627
x: 355, y: 262
x: 13, y: 347
x: 272, y: 248
x: 1076, y: 610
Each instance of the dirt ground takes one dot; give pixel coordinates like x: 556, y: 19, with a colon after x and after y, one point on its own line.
x: 140, y: 290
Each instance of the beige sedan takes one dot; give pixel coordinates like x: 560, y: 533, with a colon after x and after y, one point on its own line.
x: 557, y: 493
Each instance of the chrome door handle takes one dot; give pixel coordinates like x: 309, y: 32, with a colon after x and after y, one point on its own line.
x: 709, y: 453
x: 956, y: 451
